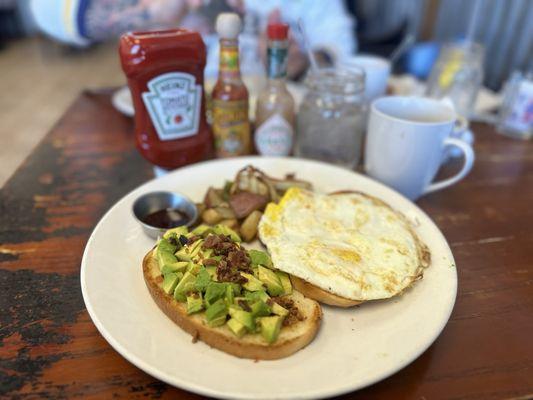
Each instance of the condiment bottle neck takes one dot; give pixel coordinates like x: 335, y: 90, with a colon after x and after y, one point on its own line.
x: 277, y: 60
x: 229, y: 68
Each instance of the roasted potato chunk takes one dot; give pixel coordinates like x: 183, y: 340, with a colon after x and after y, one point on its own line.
x: 249, y: 226
x: 211, y: 216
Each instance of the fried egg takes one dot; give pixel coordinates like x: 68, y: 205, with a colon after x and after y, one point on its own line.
x: 349, y: 244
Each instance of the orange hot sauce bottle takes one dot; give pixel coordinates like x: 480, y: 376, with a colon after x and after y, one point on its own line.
x: 231, y: 126
x: 165, y: 71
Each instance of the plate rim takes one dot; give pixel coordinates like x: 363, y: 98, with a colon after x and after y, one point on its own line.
x: 205, y: 390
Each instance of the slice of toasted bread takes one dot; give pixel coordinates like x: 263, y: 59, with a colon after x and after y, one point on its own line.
x: 320, y: 295
x: 291, y: 338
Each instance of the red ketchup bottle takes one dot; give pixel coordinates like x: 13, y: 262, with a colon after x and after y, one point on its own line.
x: 165, y: 71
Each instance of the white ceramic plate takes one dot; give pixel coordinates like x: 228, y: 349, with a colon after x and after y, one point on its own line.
x: 354, y: 347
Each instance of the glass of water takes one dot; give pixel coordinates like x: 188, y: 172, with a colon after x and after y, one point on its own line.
x: 458, y: 74
x: 332, y: 117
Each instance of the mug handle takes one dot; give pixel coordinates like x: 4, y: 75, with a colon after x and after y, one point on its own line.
x: 467, y: 165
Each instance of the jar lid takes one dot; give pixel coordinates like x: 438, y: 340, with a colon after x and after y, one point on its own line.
x: 277, y: 31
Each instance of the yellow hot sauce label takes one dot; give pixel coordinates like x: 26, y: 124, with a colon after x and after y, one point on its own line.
x: 231, y: 128
x: 229, y: 59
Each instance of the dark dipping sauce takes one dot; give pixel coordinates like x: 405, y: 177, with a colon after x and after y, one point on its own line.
x: 167, y: 218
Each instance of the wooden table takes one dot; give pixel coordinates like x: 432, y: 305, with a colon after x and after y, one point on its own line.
x: 50, y: 348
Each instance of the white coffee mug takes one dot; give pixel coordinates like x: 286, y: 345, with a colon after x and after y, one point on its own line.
x: 406, y: 140
x: 377, y: 71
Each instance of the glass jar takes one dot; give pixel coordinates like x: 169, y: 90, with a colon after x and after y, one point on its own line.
x: 332, y: 116
x: 458, y: 74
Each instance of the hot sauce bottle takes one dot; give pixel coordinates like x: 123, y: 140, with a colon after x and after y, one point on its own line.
x: 231, y: 126
x: 275, y: 105
x: 165, y: 77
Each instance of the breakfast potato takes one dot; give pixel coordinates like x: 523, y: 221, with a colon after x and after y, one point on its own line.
x: 249, y: 225
x: 240, y: 202
x: 230, y: 223
x: 211, y: 216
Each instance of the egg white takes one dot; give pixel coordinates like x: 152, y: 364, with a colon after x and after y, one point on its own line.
x: 349, y: 244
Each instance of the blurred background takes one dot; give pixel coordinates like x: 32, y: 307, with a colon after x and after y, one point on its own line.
x: 50, y: 50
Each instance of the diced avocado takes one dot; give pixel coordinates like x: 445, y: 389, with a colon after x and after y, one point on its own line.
x: 178, y: 266
x: 285, y: 282
x: 253, y: 284
x: 259, y: 295
x: 214, y: 292
x: 279, y: 310
x: 244, y: 317
x: 202, y: 230
x: 164, y: 253
x: 216, y: 313
x: 169, y: 282
x: 180, y: 230
x: 272, y: 281
x: 183, y: 254
x: 202, y: 280
x: 195, y: 303
x: 165, y: 246
x: 260, y: 258
x: 226, y: 231
x: 212, y: 271
x: 236, y: 288
x: 236, y: 327
x: 185, y: 285
x: 193, y: 268
x: 260, y: 309
x: 207, y: 253
x: 270, y: 327
x: 229, y: 295
x: 195, y: 248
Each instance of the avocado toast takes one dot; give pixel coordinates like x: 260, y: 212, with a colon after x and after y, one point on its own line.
x: 228, y: 297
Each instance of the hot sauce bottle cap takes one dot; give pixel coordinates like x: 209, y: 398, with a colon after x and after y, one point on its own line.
x: 228, y: 25
x: 277, y: 31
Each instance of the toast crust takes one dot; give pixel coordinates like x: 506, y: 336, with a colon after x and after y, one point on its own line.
x: 321, y: 295
x: 290, y: 340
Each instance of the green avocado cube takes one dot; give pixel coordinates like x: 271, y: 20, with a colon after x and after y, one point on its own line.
x: 169, y: 282
x: 253, y: 284
x: 255, y: 296
x: 230, y: 295
x: 183, y: 254
x: 212, y: 271
x: 193, y: 268
x: 269, y: 277
x: 195, y: 248
x: 195, y: 303
x: 202, y: 280
x: 185, y: 285
x: 227, y: 231
x: 180, y: 230
x: 165, y: 246
x: 285, y: 282
x: 178, y: 266
x: 279, y: 310
x: 270, y: 327
x: 260, y: 309
x: 258, y: 257
x: 244, y: 317
x: 202, y: 230
x: 236, y: 327
x: 214, y: 292
x: 216, y: 313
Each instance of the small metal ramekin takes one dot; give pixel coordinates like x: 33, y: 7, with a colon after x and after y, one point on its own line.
x: 154, y: 201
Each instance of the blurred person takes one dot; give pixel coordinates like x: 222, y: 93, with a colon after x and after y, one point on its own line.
x: 82, y: 22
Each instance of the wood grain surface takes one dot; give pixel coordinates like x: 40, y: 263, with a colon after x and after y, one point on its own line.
x: 49, y: 348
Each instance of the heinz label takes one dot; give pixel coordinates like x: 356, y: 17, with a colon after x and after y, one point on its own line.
x: 173, y: 101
